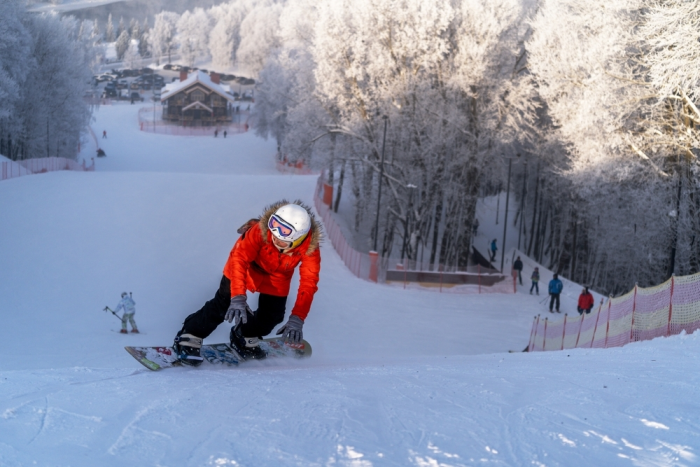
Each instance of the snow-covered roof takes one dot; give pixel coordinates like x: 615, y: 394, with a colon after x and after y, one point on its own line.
x: 200, y: 77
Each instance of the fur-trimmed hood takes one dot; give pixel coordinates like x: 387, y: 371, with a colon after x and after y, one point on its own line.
x: 316, y: 231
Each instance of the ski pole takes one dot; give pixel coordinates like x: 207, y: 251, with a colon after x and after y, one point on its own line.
x: 112, y: 311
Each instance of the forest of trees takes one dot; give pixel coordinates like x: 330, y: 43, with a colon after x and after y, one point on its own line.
x: 593, y: 104
x: 45, y: 68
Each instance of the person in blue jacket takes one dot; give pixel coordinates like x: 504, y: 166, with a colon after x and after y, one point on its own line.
x: 493, y: 250
x: 555, y: 287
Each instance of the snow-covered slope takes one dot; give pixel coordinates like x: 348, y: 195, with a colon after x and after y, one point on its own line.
x: 397, y: 377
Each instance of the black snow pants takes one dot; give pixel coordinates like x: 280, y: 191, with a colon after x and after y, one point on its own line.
x: 553, y: 300
x: 269, y: 314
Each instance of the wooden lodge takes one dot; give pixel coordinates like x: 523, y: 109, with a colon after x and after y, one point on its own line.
x: 197, y: 100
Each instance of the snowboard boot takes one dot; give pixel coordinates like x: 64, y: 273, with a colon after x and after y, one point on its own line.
x: 247, y: 347
x: 135, y: 331
x: 188, y: 349
x: 123, y: 331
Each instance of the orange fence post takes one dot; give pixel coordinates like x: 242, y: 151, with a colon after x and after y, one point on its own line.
x: 595, y: 328
x: 583, y: 316
x: 533, y: 333
x: 563, y: 332
x: 373, y: 266
x: 634, y: 307
x: 479, y: 271
x: 544, y: 337
x: 327, y: 194
x: 670, y: 309
x: 607, y: 327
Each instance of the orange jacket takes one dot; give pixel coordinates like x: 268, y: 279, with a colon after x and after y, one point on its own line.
x: 585, y: 301
x: 255, y: 264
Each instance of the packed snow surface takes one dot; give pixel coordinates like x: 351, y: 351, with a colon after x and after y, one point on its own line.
x: 397, y: 377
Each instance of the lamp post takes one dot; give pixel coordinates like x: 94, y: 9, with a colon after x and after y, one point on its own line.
x: 505, y: 220
x: 522, y: 202
x: 410, y: 187
x: 381, y: 177
x: 156, y: 96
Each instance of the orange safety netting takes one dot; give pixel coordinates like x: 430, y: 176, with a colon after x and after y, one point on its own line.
x: 641, y: 314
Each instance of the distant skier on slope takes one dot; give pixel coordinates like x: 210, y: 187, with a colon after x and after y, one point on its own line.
x: 518, y: 269
x: 127, y: 303
x: 262, y: 260
x: 555, y: 288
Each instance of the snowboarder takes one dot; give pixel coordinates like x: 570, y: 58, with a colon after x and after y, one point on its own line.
x: 585, y: 301
x: 225, y: 133
x: 216, y: 133
x: 555, y: 287
x: 104, y: 134
x: 535, y: 277
x: 101, y: 152
x: 518, y: 268
x: 262, y: 260
x: 494, y: 249
x: 129, y: 307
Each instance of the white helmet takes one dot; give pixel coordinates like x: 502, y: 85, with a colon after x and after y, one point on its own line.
x: 290, y: 223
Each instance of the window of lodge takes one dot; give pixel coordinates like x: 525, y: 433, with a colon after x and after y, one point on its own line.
x: 197, y: 96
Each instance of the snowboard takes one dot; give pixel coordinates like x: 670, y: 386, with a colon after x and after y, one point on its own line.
x: 158, y: 358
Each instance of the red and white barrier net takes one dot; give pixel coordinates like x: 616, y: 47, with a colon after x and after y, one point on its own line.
x: 370, y: 266
x: 150, y: 121
x: 641, y: 314
x: 13, y: 169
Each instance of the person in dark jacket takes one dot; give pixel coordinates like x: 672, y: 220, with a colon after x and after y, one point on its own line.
x: 535, y: 277
x: 555, y: 288
x: 585, y: 302
x: 518, y: 266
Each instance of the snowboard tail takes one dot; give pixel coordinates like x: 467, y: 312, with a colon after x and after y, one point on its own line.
x: 158, y: 358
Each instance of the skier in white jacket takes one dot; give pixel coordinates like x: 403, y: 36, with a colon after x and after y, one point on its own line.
x: 129, y: 307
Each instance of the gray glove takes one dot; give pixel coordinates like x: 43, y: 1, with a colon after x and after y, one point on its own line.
x: 291, y: 331
x: 238, y: 310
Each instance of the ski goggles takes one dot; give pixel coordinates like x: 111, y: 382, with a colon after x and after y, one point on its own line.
x: 282, y: 228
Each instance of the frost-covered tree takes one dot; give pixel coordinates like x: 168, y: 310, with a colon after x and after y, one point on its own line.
x: 143, y: 40
x: 162, y: 36
x: 120, y: 28
x: 122, y: 44
x: 131, y: 56
x: 192, y: 35
x: 259, y: 36
x: 15, y: 63
x: 109, y: 30
x: 225, y: 36
x: 46, y: 66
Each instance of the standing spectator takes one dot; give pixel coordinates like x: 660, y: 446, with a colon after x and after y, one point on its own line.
x: 518, y: 266
x: 475, y: 225
x: 585, y: 302
x: 216, y: 133
x: 129, y: 307
x: 535, y: 280
x: 225, y: 133
x: 104, y: 134
x: 494, y: 249
x: 555, y: 287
